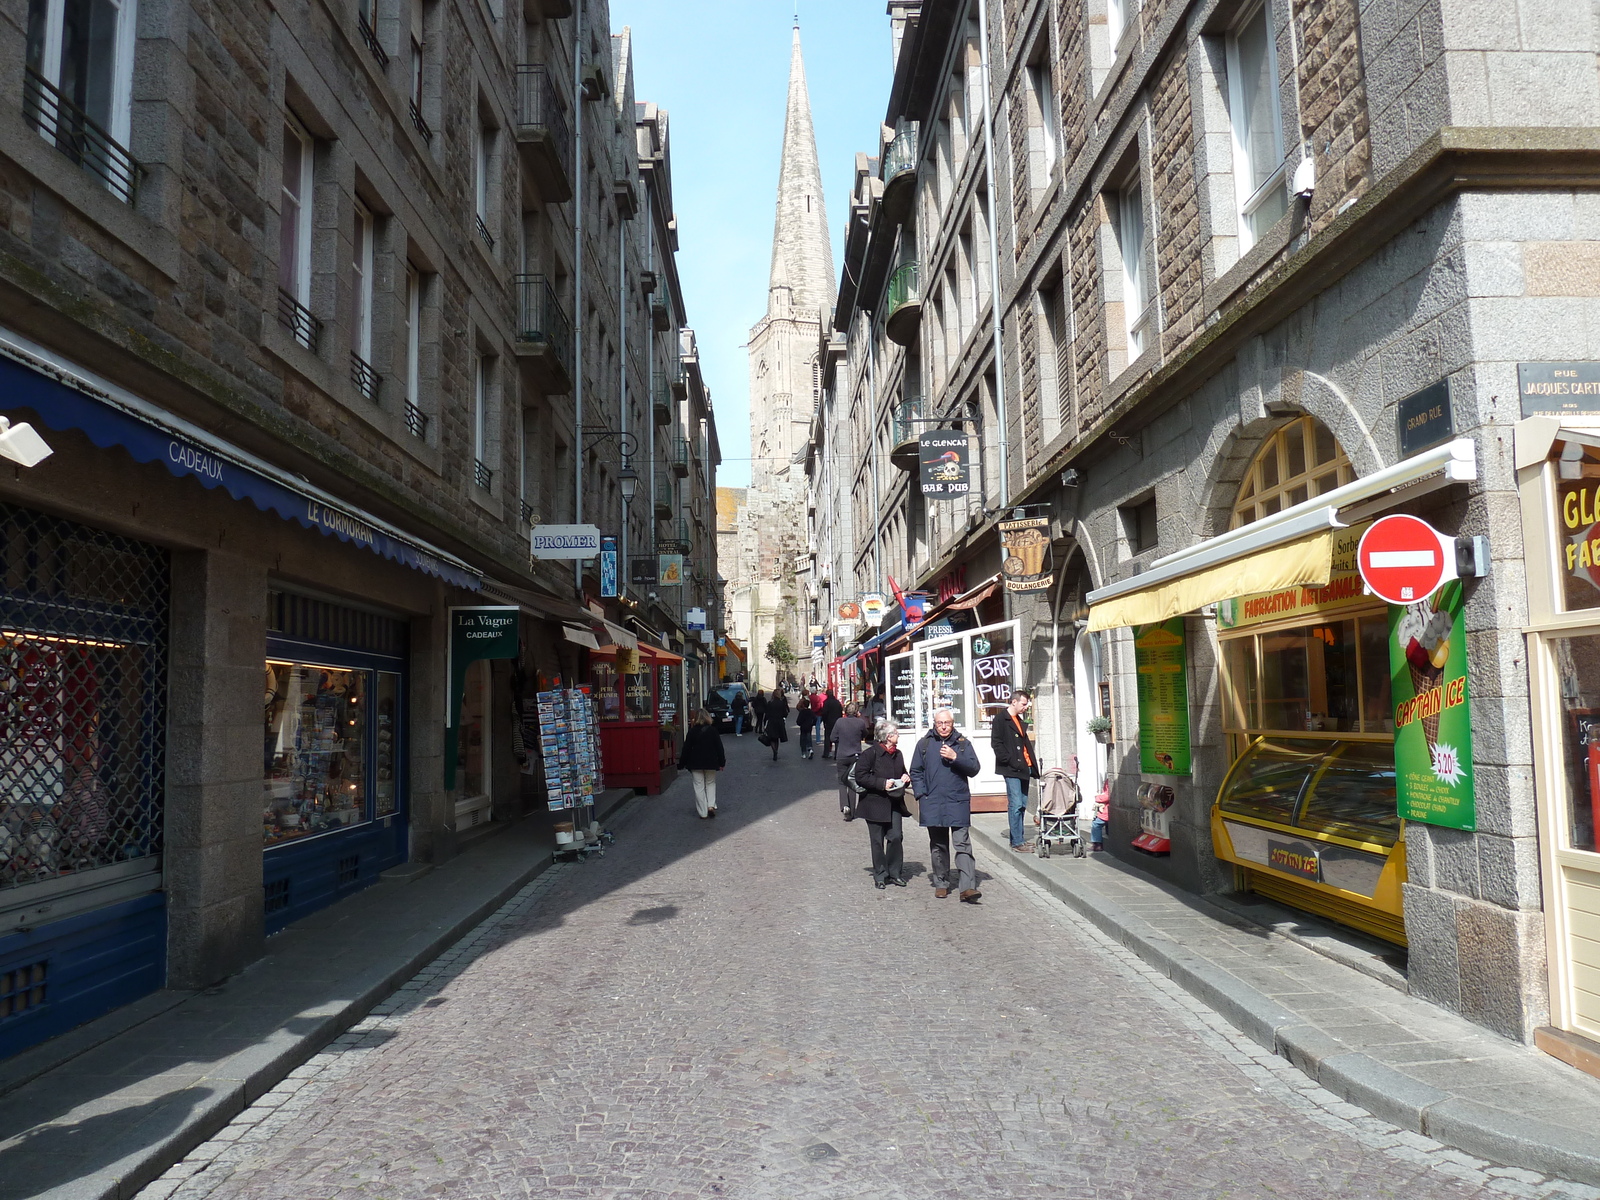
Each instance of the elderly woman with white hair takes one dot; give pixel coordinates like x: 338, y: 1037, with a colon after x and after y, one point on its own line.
x: 881, y: 770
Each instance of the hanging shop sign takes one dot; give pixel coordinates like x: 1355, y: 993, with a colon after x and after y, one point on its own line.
x: 642, y: 570
x: 1160, y: 655
x: 695, y: 618
x: 484, y: 631
x: 944, y: 454
x: 1028, y: 565
x: 608, y: 568
x: 1425, y: 419
x: 844, y: 632
x: 669, y: 571
x: 849, y: 610
x: 1404, y: 559
x: 872, y: 606
x: 564, y: 541
x: 1432, y: 721
x: 1343, y: 590
x: 1561, y: 389
x: 951, y: 584
x: 627, y: 662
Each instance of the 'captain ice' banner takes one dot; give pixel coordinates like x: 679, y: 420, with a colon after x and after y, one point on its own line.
x: 1432, y: 719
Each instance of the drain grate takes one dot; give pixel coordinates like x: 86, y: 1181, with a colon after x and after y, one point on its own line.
x: 818, y: 1152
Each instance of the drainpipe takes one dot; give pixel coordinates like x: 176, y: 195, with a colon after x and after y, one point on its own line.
x: 622, y: 386
x: 577, y: 282
x: 994, y: 252
x: 877, y: 496
x: 650, y: 360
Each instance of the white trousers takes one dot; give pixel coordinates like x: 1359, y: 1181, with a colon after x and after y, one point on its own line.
x: 705, y: 791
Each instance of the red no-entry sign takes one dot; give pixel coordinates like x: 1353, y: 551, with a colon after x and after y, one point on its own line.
x: 1404, y: 559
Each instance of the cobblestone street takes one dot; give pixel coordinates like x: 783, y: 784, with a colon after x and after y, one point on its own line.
x: 729, y: 1008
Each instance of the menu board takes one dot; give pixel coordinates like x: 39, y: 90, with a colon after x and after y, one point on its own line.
x: 1160, y: 654
x: 903, y: 692
x: 570, y: 747
x: 945, y: 686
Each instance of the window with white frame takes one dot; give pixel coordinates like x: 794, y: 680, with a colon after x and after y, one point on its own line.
x: 1257, y: 123
x: 1044, y: 101
x: 294, y: 213
x: 361, y: 282
x: 482, y: 153
x: 1119, y: 20
x: 1136, y: 307
x: 78, y: 89
x: 483, y: 476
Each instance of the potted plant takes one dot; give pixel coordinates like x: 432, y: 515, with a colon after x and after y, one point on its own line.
x: 1101, y: 728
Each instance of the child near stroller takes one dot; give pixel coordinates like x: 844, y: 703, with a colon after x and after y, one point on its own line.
x: 1058, y: 811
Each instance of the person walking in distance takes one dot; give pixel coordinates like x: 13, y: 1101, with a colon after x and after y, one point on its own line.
x: 831, y: 711
x: 738, y: 709
x: 845, y: 739
x: 806, y: 720
x: 877, y: 710
x: 702, y: 756
x: 881, y: 770
x: 941, y: 767
x: 1016, y: 761
x: 775, y: 715
x: 758, y: 713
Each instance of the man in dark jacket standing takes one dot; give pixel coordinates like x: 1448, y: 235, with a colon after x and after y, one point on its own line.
x: 1016, y: 761
x: 831, y: 711
x: 845, y: 739
x: 941, y: 766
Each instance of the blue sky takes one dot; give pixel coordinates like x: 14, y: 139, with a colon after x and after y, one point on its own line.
x: 721, y: 69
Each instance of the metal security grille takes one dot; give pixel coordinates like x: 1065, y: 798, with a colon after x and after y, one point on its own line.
x: 83, y: 685
x: 306, y: 619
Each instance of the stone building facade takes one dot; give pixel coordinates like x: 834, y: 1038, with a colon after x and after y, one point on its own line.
x: 382, y: 286
x: 1190, y: 264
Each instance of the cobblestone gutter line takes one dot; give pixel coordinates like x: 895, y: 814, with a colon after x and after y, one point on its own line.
x: 1412, y: 1119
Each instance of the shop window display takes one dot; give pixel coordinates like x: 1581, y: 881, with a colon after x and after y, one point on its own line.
x: 317, y: 739
x: 1578, y: 667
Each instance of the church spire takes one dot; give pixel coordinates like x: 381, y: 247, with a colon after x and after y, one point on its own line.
x: 802, y: 257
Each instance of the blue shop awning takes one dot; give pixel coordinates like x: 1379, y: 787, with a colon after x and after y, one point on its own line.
x: 878, y: 639
x: 63, y: 396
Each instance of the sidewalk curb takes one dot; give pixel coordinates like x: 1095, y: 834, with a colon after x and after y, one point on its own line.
x: 268, y: 1063
x: 1357, y: 1078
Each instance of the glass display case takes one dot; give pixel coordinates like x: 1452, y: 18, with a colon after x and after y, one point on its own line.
x: 1341, y: 788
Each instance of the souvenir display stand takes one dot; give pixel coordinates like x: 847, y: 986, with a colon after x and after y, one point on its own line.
x: 572, y: 772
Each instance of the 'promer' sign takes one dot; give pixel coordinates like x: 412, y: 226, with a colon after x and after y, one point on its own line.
x: 564, y: 541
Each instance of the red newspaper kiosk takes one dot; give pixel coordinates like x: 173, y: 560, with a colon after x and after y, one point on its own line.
x: 635, y: 695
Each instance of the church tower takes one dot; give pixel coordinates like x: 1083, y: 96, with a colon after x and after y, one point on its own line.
x: 784, y: 378
x: 768, y: 597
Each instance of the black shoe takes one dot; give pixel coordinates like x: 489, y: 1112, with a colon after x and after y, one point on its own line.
x: 879, y: 884
x: 898, y: 882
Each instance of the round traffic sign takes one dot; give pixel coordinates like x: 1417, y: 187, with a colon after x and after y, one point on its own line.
x: 1404, y: 559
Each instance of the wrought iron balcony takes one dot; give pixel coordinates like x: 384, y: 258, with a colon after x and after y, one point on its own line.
x: 544, y: 334
x: 416, y: 421
x: 367, y: 380
x: 529, y: 517
x: 678, y: 376
x: 680, y: 456
x: 484, y: 235
x: 299, y: 321
x: 666, y: 503
x: 482, y: 475
x: 371, y: 39
x: 660, y: 313
x: 908, y: 421
x: 75, y: 134
x: 903, y: 303
x: 543, y: 137
x: 419, y: 123
x: 898, y: 170
x: 662, y: 404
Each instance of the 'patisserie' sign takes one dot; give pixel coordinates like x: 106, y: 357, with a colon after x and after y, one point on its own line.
x: 1432, y: 719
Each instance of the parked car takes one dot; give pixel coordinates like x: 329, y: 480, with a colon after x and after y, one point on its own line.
x: 719, y: 701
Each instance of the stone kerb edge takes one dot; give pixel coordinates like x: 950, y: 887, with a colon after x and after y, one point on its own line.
x: 1357, y: 1078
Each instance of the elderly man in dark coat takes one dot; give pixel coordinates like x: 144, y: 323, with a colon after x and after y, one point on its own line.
x: 941, y: 766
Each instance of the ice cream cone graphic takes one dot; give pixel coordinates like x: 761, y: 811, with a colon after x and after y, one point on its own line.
x: 1424, y: 634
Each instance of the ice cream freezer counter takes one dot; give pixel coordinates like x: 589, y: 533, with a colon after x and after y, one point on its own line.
x: 1313, y: 823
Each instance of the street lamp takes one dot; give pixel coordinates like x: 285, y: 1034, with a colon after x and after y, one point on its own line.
x: 628, y: 482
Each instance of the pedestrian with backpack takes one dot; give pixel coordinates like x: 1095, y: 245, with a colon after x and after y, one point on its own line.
x: 845, y: 740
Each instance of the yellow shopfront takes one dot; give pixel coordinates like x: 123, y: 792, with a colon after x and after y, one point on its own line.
x: 1558, y: 472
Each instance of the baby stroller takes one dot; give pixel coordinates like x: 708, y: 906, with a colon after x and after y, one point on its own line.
x: 1058, y: 811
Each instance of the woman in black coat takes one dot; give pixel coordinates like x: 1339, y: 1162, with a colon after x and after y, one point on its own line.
x: 776, y: 714
x: 881, y: 770
x: 702, y: 756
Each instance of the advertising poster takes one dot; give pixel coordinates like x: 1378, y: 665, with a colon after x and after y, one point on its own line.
x: 1160, y: 654
x: 944, y: 454
x: 1432, y: 722
x: 608, y: 568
